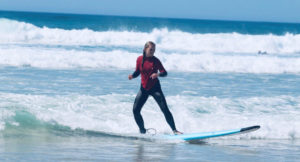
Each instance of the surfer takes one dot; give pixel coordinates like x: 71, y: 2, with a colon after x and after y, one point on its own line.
x: 148, y: 66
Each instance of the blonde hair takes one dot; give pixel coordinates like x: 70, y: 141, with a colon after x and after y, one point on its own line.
x: 144, y: 50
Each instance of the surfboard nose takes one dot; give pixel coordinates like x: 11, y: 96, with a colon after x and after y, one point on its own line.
x: 252, y: 128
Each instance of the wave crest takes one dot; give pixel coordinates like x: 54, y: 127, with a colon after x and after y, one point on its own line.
x: 20, y: 32
x: 118, y: 59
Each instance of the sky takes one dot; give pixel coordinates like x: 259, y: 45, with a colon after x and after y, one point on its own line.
x: 246, y: 10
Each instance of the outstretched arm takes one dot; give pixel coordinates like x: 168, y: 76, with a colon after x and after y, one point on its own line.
x: 136, y: 73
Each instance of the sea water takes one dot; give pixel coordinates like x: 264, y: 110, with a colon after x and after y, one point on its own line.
x: 64, y: 88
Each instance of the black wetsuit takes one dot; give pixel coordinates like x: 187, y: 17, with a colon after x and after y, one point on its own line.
x: 159, y: 97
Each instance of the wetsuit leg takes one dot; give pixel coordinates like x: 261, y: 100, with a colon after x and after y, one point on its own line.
x: 139, y: 102
x: 160, y: 99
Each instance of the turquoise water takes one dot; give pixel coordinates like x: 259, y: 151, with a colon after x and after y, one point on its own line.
x: 64, y: 88
x: 104, y: 23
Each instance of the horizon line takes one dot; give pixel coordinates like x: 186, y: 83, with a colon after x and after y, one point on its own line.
x: 162, y: 17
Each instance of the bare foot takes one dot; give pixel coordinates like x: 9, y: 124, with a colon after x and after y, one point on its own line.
x: 176, y: 132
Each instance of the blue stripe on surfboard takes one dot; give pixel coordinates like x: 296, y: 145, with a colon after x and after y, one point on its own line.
x: 195, y: 136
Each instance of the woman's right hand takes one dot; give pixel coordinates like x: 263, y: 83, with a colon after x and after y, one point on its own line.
x: 130, y: 77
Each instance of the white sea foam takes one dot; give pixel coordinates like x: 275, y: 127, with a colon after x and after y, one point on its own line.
x: 20, y: 32
x: 278, y: 116
x: 117, y: 59
x: 66, y: 59
x: 179, y: 51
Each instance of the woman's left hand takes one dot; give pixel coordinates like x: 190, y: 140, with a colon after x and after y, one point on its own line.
x: 154, y: 76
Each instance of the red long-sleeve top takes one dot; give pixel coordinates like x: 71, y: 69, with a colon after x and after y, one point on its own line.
x: 151, y: 65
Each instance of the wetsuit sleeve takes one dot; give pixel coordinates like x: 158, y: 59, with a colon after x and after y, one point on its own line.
x: 162, y: 70
x: 137, y: 72
x: 163, y: 74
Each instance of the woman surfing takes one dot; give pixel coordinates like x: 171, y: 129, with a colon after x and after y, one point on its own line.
x: 148, y: 66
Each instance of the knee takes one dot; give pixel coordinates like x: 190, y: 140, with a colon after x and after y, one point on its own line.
x: 165, y: 110
x: 160, y: 99
x: 136, y: 111
x: 162, y: 104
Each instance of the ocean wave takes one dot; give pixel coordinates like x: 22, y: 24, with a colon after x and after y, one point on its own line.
x: 118, y: 59
x: 171, y: 40
x: 278, y: 116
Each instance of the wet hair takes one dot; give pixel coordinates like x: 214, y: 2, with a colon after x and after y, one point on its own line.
x: 144, y: 50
